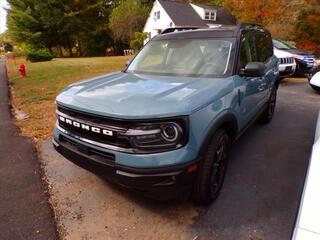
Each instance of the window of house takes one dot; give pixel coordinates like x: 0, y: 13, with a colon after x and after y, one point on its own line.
x: 157, y: 15
x: 210, y: 15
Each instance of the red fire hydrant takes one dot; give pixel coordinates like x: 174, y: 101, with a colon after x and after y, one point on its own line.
x: 22, y: 70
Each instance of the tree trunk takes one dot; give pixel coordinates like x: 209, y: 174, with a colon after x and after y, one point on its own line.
x: 79, y: 48
x: 70, y: 51
x: 50, y: 50
x: 60, y: 51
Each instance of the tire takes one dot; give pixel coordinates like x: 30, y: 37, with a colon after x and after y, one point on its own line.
x: 267, y: 115
x: 212, y: 169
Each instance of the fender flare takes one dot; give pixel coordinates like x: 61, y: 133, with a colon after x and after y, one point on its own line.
x: 228, y: 120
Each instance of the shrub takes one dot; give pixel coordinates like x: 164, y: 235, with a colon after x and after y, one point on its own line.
x: 38, y: 55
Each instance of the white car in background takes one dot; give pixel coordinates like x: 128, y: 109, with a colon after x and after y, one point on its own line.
x: 307, y: 225
x: 287, y: 63
x: 315, y: 82
x: 314, y: 76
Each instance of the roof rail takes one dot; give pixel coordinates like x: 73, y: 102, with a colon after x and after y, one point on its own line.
x: 180, y: 29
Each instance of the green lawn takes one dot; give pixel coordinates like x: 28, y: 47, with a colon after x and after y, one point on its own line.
x: 35, y: 94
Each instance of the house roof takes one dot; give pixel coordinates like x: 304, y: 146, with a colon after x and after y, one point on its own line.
x: 183, y: 14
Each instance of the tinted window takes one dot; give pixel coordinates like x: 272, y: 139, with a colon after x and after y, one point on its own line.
x: 264, y: 47
x: 247, y: 50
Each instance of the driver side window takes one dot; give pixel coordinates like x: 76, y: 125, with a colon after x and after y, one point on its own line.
x: 247, y: 50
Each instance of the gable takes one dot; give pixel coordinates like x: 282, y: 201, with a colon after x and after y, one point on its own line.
x: 182, y: 14
x: 200, y: 15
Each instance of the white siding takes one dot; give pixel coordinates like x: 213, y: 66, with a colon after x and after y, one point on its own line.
x: 198, y: 10
x: 154, y: 26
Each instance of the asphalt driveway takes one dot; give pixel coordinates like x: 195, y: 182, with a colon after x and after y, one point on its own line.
x: 266, y: 172
x: 259, y: 199
x: 24, y: 209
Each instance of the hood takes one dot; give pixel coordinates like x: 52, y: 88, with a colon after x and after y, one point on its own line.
x: 297, y: 52
x: 281, y: 54
x: 131, y: 96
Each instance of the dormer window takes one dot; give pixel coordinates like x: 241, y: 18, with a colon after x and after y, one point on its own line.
x: 210, y: 15
x: 156, y: 15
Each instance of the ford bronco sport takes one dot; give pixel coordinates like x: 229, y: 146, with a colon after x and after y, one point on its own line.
x: 164, y: 125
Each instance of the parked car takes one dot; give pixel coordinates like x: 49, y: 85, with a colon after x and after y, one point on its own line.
x: 305, y: 60
x: 165, y: 124
x: 287, y: 63
x: 315, y: 82
x: 307, y: 225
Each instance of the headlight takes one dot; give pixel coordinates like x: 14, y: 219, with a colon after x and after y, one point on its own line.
x: 158, y: 136
x: 171, y: 132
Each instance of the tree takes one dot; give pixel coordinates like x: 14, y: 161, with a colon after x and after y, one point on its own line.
x: 86, y: 21
x: 273, y: 14
x: 23, y: 22
x: 8, y: 47
x: 307, y: 32
x: 138, y: 40
x: 126, y: 19
x: 58, y: 25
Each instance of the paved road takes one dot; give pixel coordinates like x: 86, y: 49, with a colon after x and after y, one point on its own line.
x: 24, y: 210
x: 259, y: 199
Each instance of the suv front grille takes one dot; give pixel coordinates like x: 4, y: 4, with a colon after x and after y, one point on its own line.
x: 286, y: 60
x: 112, y: 123
x: 107, y: 124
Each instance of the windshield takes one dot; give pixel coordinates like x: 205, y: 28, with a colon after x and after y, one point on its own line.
x: 185, y: 57
x: 282, y: 45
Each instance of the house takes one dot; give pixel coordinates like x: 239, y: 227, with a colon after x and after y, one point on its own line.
x: 168, y: 13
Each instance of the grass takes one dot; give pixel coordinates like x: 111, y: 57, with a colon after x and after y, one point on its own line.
x: 35, y: 94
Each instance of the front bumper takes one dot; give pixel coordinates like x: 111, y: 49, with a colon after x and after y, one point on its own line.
x: 303, y: 67
x: 287, y: 69
x: 163, y: 183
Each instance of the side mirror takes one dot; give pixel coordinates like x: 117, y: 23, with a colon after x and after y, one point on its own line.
x: 254, y: 69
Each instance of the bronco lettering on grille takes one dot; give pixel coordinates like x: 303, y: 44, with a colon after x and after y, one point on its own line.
x: 85, y: 126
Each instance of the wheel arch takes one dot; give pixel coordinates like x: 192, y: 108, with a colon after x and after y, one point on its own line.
x: 227, y: 122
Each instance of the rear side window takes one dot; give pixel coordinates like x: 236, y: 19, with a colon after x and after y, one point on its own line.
x: 264, y: 46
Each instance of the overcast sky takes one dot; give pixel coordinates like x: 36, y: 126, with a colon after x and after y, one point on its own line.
x: 3, y: 14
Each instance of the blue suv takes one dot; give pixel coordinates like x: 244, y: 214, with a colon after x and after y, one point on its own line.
x: 165, y: 124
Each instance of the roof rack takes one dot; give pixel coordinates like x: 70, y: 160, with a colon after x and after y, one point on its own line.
x: 180, y: 29
x: 238, y: 28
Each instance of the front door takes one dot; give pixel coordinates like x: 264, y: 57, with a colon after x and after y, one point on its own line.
x: 251, y: 90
